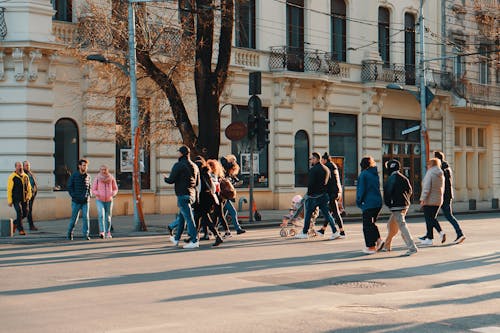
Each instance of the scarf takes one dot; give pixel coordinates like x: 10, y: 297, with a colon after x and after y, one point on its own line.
x: 106, y: 179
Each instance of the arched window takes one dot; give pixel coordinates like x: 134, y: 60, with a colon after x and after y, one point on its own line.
x: 301, y: 158
x: 66, y: 151
x: 338, y: 23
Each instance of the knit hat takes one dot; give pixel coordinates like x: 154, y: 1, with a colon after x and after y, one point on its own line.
x: 392, y: 165
x: 184, y: 150
x: 325, y: 156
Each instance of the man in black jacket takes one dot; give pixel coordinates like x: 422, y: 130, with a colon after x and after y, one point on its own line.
x: 186, y: 177
x: 317, y: 196
x: 34, y: 191
x: 334, y: 190
x: 79, y: 189
x: 397, y: 196
x: 448, y: 197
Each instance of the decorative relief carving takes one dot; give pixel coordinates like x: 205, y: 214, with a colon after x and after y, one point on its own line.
x: 373, y: 100
x: 2, y: 67
x: 285, y: 92
x: 321, y: 93
x: 51, y: 70
x: 18, y: 59
x: 35, y: 57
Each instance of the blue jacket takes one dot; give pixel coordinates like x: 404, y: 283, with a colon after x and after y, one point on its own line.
x: 368, y: 190
x: 79, y: 187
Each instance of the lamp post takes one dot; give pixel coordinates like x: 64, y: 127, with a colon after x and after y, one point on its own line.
x: 424, y: 141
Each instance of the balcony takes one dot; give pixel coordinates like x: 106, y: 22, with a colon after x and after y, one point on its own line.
x: 283, y: 58
x: 65, y: 32
x: 373, y: 71
x: 482, y: 93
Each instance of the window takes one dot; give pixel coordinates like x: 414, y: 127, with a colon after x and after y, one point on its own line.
x: 338, y: 23
x: 66, y: 151
x: 123, y: 144
x: 468, y: 136
x: 241, y: 149
x: 481, y: 137
x: 301, y: 158
x: 245, y: 24
x: 295, y: 35
x: 64, y: 10
x: 410, y: 48
x: 384, y: 46
x: 458, y: 142
x: 483, y: 65
x: 343, y: 142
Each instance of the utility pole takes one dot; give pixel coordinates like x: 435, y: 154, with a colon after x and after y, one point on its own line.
x: 423, y: 104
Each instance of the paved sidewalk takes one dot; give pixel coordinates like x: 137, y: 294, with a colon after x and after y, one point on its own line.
x: 157, y: 224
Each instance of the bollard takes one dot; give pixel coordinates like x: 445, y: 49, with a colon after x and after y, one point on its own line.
x: 494, y: 203
x: 94, y: 227
x: 6, y: 228
x: 472, y: 204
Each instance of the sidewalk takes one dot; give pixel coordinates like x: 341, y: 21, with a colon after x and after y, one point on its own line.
x: 157, y: 224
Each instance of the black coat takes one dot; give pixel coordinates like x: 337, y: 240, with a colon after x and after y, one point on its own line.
x: 186, y: 177
x: 334, y: 186
x: 208, y: 198
x: 318, y: 180
x: 397, y: 192
x: 448, y: 181
x: 79, y: 187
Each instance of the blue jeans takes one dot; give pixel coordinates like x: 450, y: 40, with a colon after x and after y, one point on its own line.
x: 448, y: 213
x: 232, y: 212
x: 104, y: 210
x: 184, y: 203
x: 175, y: 223
x: 75, y: 213
x: 311, y: 204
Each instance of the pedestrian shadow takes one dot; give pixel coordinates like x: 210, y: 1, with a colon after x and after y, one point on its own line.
x: 464, y: 300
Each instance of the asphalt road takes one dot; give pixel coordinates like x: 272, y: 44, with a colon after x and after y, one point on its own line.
x: 255, y: 282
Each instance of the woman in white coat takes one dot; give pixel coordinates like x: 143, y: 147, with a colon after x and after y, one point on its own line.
x: 431, y: 199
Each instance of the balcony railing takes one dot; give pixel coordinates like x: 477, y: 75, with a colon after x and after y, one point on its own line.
x: 372, y: 71
x: 482, y: 93
x: 284, y: 58
x: 65, y: 32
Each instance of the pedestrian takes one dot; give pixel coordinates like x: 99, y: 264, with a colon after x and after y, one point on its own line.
x: 448, y: 197
x: 334, y: 193
x: 34, y: 191
x: 105, y: 189
x: 216, y: 173
x: 369, y: 199
x: 207, y: 202
x: 231, y: 170
x: 186, y: 177
x: 317, y: 196
x: 79, y: 189
x: 431, y: 200
x: 397, y: 196
x: 18, y: 195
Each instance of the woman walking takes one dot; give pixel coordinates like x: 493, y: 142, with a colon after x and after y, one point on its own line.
x: 104, y: 188
x: 369, y: 199
x: 431, y: 199
x: 231, y: 170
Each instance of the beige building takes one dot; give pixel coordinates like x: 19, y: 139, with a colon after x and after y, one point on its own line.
x: 325, y: 69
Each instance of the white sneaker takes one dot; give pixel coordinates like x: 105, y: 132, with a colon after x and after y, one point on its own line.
x: 301, y: 235
x: 191, y: 245
x: 368, y: 251
x: 173, y: 240
x: 426, y: 241
x: 335, y: 235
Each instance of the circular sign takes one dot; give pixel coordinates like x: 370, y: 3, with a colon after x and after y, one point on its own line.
x: 236, y: 131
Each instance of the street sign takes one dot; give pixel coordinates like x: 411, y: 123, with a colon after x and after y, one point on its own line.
x: 236, y: 131
x: 411, y: 129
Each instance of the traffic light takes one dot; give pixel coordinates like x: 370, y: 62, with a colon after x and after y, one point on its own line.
x: 252, y: 126
x: 262, y: 131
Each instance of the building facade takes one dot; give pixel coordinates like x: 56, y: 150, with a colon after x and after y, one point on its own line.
x: 326, y: 66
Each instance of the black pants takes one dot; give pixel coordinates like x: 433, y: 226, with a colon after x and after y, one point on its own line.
x: 334, y: 209
x: 370, y: 229
x: 21, y: 212
x: 431, y: 222
x: 30, y: 211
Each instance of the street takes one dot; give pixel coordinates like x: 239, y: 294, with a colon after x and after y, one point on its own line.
x: 255, y: 282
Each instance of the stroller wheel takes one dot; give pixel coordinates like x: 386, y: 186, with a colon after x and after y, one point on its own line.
x: 283, y: 232
x: 292, y: 232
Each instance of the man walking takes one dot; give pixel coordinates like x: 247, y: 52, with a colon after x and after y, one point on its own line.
x: 334, y: 193
x: 317, y: 196
x: 79, y: 189
x: 186, y: 177
x: 34, y: 191
x: 18, y: 195
x: 448, y: 197
x: 397, y: 196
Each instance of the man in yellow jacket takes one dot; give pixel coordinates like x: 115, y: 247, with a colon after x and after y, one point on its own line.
x: 18, y: 195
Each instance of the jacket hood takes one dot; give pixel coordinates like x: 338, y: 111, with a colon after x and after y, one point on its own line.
x: 435, y: 170
x: 444, y: 165
x: 373, y: 170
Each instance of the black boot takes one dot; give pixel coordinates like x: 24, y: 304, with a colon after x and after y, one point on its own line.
x: 218, y: 241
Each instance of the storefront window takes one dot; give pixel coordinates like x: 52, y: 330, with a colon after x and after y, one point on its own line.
x: 343, y: 142
x: 241, y: 149
x: 66, y: 152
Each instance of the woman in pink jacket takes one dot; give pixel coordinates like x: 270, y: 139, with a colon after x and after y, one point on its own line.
x: 104, y: 188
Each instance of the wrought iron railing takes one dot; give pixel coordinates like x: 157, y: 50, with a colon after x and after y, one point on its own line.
x: 372, y: 71
x: 303, y: 60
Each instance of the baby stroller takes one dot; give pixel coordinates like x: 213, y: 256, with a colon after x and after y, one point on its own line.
x: 293, y: 222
